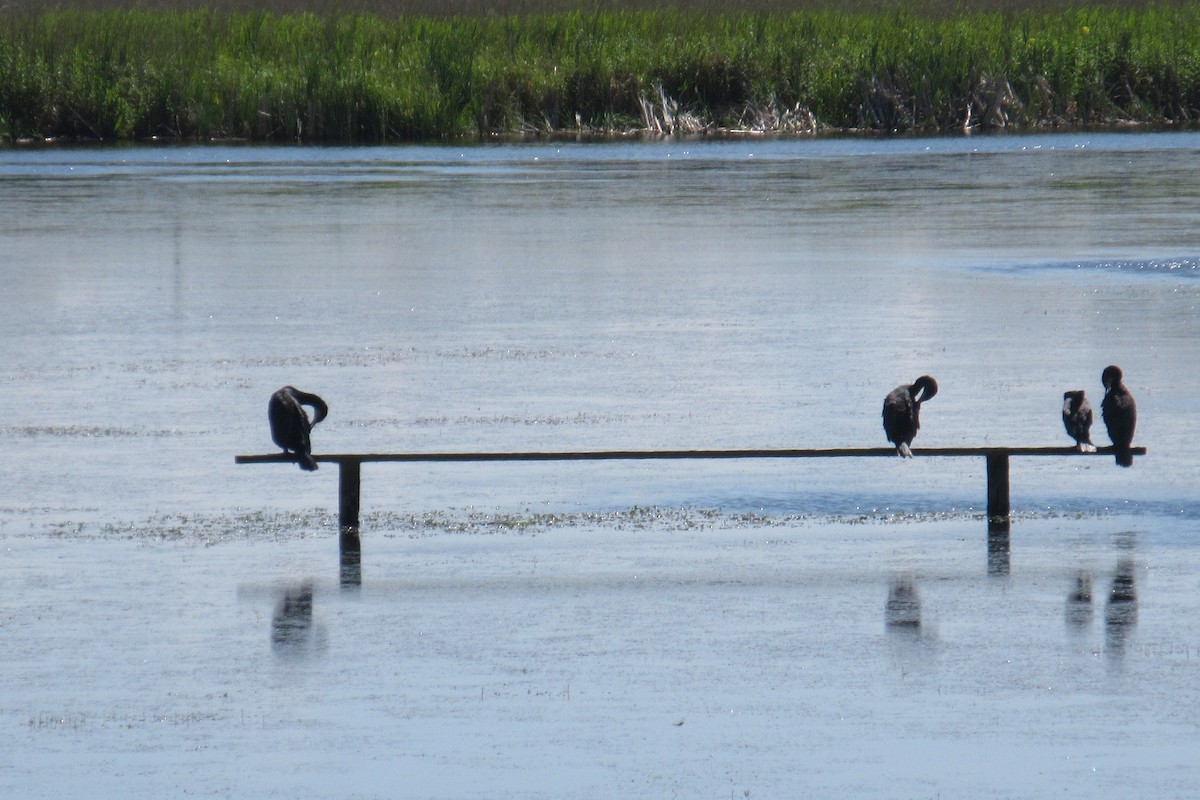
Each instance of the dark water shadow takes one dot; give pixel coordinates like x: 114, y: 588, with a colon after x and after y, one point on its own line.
x: 1182, y: 267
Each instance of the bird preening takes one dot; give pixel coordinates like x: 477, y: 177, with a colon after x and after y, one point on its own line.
x: 902, y: 412
x: 1077, y: 419
x: 1120, y: 414
x: 290, y: 425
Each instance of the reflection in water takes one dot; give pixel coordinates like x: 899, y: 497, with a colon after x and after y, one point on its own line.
x: 903, y: 608
x: 351, y: 567
x: 1079, y: 601
x: 293, y: 631
x: 1120, y: 616
x: 912, y: 643
x: 999, y: 548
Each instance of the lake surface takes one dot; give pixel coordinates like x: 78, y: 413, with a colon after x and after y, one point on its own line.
x: 578, y: 630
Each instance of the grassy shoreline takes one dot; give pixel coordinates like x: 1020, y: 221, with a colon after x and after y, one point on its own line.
x: 133, y: 74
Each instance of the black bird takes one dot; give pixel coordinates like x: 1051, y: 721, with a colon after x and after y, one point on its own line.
x: 1120, y: 414
x: 902, y: 412
x: 1077, y: 418
x: 290, y: 425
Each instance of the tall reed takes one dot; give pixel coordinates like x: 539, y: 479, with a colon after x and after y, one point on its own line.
x: 127, y: 74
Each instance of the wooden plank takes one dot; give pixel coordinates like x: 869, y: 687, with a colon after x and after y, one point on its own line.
x: 998, y: 504
x: 350, y: 540
x: 635, y: 455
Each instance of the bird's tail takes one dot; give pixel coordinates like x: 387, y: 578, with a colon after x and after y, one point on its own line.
x: 1124, y: 456
x: 903, y: 450
x: 306, y: 462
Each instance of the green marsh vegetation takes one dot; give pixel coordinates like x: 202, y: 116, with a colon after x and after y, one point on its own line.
x: 114, y: 73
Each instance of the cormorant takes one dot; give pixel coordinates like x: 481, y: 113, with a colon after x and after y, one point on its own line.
x: 902, y: 412
x: 1077, y: 418
x: 1120, y: 414
x: 290, y: 424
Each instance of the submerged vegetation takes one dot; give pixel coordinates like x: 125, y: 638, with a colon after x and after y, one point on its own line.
x: 137, y: 73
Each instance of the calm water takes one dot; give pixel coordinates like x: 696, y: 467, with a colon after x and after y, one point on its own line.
x: 650, y: 295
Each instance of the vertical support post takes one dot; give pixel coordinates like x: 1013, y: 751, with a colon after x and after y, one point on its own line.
x: 349, y: 492
x: 998, y: 507
x: 998, y: 513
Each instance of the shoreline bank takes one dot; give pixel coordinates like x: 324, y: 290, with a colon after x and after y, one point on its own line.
x: 136, y: 75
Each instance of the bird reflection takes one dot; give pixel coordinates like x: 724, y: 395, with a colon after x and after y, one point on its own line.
x: 293, y: 630
x: 903, y: 608
x: 912, y: 641
x: 1120, y: 615
x: 1079, y: 601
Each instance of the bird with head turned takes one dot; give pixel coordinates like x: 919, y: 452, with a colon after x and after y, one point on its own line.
x: 290, y: 425
x: 1120, y: 414
x: 1077, y: 419
x: 902, y: 412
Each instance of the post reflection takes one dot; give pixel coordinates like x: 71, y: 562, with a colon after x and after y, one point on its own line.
x: 350, y: 568
x: 294, y: 631
x: 999, y: 557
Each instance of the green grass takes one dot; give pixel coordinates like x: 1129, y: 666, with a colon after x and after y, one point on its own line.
x: 131, y: 74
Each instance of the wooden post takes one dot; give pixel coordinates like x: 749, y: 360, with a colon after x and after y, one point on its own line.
x: 349, y: 491
x: 997, y: 490
x: 998, y: 514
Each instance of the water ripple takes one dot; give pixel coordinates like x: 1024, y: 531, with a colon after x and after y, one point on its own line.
x: 1181, y: 267
x: 210, y: 529
x: 81, y: 432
